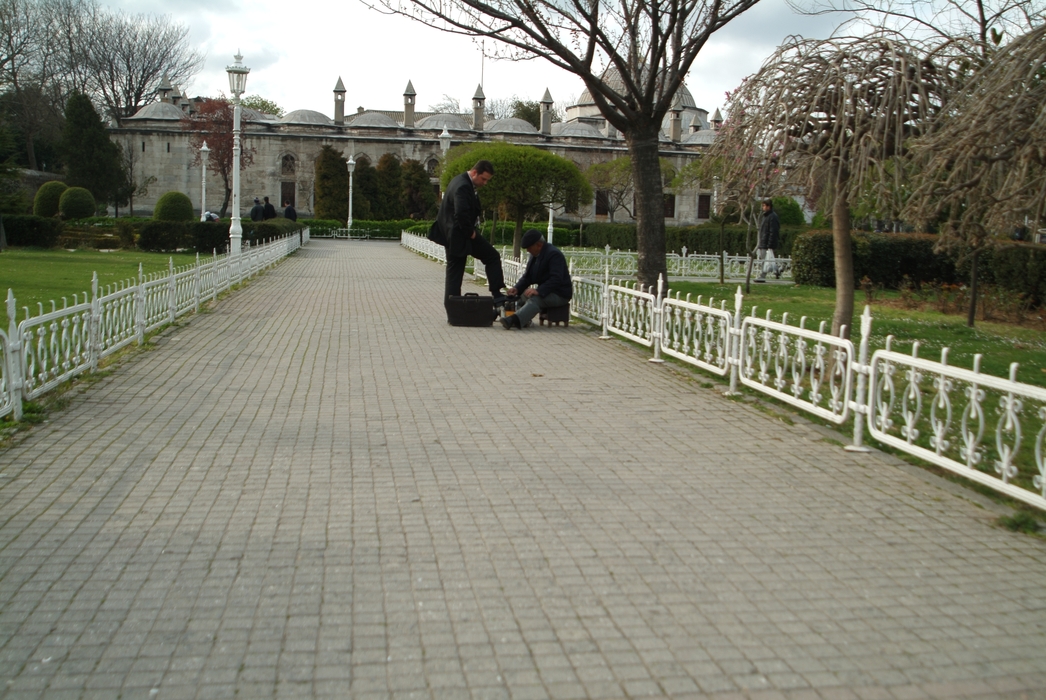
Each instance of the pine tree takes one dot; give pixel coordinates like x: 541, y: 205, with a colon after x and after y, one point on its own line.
x: 332, y: 185
x: 388, y: 206
x: 92, y: 160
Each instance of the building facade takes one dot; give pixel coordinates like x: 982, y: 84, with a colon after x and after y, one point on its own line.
x: 285, y: 148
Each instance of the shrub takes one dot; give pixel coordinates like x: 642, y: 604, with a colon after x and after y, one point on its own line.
x: 46, y: 201
x: 789, y: 213
x: 76, y: 203
x: 207, y: 237
x: 173, y: 206
x: 257, y: 232
x: 163, y: 236
x: 32, y: 231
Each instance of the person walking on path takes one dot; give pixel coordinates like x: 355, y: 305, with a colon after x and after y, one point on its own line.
x: 457, y: 229
x: 268, y: 211
x: 769, y: 240
x: 547, y: 268
x: 289, y: 211
x: 257, y: 211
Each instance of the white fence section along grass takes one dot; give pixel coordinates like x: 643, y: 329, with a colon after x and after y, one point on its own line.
x: 42, y: 351
x: 989, y: 429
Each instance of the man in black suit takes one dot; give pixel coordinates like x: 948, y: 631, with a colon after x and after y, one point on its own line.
x: 457, y: 229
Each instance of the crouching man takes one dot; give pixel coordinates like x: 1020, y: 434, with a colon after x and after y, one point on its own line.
x: 547, y: 268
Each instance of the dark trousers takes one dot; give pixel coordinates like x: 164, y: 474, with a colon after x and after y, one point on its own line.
x: 483, y: 251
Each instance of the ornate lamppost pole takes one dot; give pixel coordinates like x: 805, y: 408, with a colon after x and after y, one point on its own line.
x: 237, y: 84
x: 204, y: 152
x: 550, y: 222
x: 352, y: 167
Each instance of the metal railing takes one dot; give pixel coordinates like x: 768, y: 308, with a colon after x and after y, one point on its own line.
x: 989, y: 429
x: 43, y: 351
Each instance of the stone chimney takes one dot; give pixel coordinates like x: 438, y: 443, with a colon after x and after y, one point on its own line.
x: 165, y: 88
x: 408, y: 106
x: 675, y: 122
x: 717, y: 120
x: 478, y: 102
x: 339, y: 103
x: 546, y: 113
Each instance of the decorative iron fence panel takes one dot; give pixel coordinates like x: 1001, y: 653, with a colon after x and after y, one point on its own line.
x: 8, y: 398
x: 587, y: 303
x: 630, y: 314
x: 55, y: 347
x: 117, y: 325
x: 698, y: 334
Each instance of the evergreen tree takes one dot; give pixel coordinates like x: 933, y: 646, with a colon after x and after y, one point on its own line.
x: 365, y: 190
x: 332, y: 185
x: 92, y: 160
x: 417, y: 194
x: 388, y: 207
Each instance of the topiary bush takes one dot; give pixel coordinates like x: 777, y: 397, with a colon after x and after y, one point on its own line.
x: 46, y: 201
x: 173, y: 206
x: 76, y: 203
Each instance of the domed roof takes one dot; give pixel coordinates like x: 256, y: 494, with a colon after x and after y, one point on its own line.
x: 576, y: 130
x: 305, y: 116
x: 160, y: 111
x: 613, y: 79
x: 254, y: 115
x: 705, y: 137
x: 510, y: 125
x: 439, y: 121
x: 373, y: 119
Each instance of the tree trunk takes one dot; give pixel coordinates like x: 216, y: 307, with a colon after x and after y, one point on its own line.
x: 517, y: 237
x: 972, y: 311
x: 722, y: 249
x: 650, y: 204
x: 30, y: 152
x: 225, y: 202
x: 844, y: 265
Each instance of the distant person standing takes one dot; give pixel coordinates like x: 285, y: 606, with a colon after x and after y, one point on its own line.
x: 268, y: 211
x: 289, y: 212
x: 769, y: 240
x: 257, y: 211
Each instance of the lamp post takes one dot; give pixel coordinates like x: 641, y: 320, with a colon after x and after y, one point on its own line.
x: 352, y: 168
x: 237, y: 84
x: 444, y: 141
x: 550, y: 222
x: 204, y: 152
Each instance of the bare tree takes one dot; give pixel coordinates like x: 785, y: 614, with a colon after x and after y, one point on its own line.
x: 983, y: 166
x: 130, y: 55
x: 829, y: 118
x: 632, y: 55
x: 447, y: 105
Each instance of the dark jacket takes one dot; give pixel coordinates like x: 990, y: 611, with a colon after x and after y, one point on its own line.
x: 769, y: 231
x: 458, y: 213
x: 289, y: 213
x: 257, y: 212
x: 548, y: 270
x: 269, y: 211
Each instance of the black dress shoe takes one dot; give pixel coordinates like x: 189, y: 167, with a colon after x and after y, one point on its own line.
x: 510, y: 322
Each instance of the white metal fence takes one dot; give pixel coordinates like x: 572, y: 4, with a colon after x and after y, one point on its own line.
x: 989, y: 429
x: 42, y: 351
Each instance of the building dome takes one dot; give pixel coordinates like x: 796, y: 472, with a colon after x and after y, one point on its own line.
x: 576, y: 130
x: 613, y: 79
x: 305, y: 116
x: 159, y: 111
x: 705, y: 137
x: 254, y: 115
x: 443, y: 120
x: 373, y: 119
x: 510, y: 125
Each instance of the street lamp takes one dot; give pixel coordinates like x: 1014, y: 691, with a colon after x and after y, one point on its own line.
x: 352, y: 167
x: 204, y: 152
x: 237, y: 84
x: 444, y: 141
x: 550, y: 222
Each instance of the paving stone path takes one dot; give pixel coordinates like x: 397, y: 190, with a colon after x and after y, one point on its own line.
x: 320, y: 489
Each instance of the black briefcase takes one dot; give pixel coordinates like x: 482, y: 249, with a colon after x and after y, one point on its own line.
x: 471, y: 310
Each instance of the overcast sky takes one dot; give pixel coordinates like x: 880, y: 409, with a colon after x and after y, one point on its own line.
x: 296, y: 57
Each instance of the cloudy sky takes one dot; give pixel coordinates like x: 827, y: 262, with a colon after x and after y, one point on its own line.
x: 297, y: 50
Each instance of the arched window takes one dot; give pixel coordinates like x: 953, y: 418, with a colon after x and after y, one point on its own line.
x: 431, y: 167
x: 287, y: 165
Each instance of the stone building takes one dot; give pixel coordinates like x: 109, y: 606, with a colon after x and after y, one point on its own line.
x: 286, y: 147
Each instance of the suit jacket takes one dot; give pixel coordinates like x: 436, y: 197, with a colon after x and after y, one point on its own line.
x: 458, y: 214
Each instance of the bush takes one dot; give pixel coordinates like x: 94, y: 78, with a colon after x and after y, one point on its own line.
x: 884, y: 258
x: 46, y: 201
x: 789, y: 213
x: 257, y: 232
x: 32, y: 231
x: 163, y: 236
x: 209, y: 236
x: 173, y: 206
x: 76, y: 203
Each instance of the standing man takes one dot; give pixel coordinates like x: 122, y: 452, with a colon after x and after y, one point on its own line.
x: 268, y: 211
x: 769, y: 239
x: 457, y: 229
x: 289, y: 211
x: 547, y: 268
x: 257, y: 211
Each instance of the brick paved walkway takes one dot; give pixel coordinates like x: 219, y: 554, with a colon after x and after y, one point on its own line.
x: 322, y: 490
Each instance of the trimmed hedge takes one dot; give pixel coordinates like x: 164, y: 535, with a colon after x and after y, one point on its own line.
x: 737, y: 240
x: 76, y: 203
x: 45, y: 203
x: 888, y: 258
x: 257, y: 232
x: 173, y: 206
x: 163, y: 236
x: 31, y: 231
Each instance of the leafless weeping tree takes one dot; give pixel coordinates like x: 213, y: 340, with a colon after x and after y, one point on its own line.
x: 632, y: 55
x: 831, y: 118
x: 982, y: 168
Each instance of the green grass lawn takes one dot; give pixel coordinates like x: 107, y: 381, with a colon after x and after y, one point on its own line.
x: 999, y: 343
x: 38, y: 276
